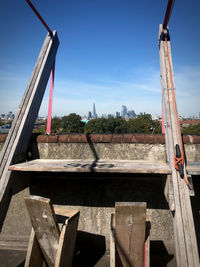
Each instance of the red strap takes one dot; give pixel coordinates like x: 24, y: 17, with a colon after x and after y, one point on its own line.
x: 50, y: 100
x: 38, y: 15
x: 168, y: 13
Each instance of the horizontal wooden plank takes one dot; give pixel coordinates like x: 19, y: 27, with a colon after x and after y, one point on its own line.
x: 79, y: 165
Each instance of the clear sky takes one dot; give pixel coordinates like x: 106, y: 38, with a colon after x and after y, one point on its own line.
x: 108, y: 54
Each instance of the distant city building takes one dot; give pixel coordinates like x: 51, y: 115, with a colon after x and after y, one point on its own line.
x: 9, y: 117
x: 131, y: 114
x: 127, y: 114
x: 94, y: 114
x: 89, y: 115
x: 117, y: 114
x: 124, y: 112
x: 3, y: 116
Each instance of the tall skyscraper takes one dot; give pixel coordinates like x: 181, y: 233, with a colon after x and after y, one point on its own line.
x: 124, y: 111
x: 94, y: 115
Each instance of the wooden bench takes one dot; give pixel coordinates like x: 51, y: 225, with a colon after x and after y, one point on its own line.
x: 53, y: 233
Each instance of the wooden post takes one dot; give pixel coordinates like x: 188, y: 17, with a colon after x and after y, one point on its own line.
x: 184, y: 231
x: 20, y: 133
x: 130, y: 226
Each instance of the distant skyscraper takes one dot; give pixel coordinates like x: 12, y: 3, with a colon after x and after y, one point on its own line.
x: 131, y: 114
x: 117, y: 114
x: 94, y: 115
x: 89, y: 115
x: 124, y: 111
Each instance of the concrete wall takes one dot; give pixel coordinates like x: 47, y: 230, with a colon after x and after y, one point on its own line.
x: 95, y: 194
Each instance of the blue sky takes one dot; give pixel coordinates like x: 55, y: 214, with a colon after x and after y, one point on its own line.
x: 108, y: 54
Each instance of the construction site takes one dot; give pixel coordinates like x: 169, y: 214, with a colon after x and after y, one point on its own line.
x: 99, y: 199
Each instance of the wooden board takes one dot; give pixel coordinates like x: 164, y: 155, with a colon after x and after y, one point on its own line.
x: 79, y: 165
x: 113, y: 248
x: 130, y: 226
x: 67, y: 220
x: 34, y: 255
x: 184, y: 230
x: 67, y: 240
x: 20, y: 133
x: 44, y: 223
x: 112, y: 241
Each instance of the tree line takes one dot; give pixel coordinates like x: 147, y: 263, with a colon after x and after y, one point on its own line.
x: 73, y: 124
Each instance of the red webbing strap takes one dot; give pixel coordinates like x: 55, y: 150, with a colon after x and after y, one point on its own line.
x: 168, y: 13
x: 38, y: 15
x: 48, y: 131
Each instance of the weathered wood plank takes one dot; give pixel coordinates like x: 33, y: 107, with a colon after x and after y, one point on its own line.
x: 44, y: 223
x: 79, y: 165
x: 130, y: 226
x: 19, y: 135
x: 112, y: 241
x: 34, y: 255
x: 67, y: 240
x: 185, y: 238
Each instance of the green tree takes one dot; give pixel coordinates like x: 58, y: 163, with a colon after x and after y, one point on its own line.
x: 72, y: 123
x: 116, y: 125
x: 110, y: 125
x: 144, y: 124
x: 195, y: 129
x: 96, y: 126
x: 56, y: 125
x: 1, y: 123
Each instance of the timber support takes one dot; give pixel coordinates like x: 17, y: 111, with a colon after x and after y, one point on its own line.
x: 184, y: 230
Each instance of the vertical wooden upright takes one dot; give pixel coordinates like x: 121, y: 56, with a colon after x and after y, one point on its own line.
x: 184, y: 230
x: 130, y: 226
x: 20, y: 133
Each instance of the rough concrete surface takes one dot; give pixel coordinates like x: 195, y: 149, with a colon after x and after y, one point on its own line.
x: 95, y: 195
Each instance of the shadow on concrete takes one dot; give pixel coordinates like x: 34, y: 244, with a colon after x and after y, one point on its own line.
x: 195, y: 201
x: 159, y: 255
x: 12, y: 258
x: 21, y: 264
x: 99, y: 190
x: 89, y: 249
x: 95, y: 155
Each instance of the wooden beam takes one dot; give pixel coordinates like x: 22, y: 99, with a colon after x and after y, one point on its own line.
x: 20, y: 133
x: 79, y: 165
x: 112, y: 241
x: 130, y: 226
x: 184, y: 231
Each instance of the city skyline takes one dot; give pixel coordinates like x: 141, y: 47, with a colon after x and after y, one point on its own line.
x: 125, y: 113
x: 109, y: 62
